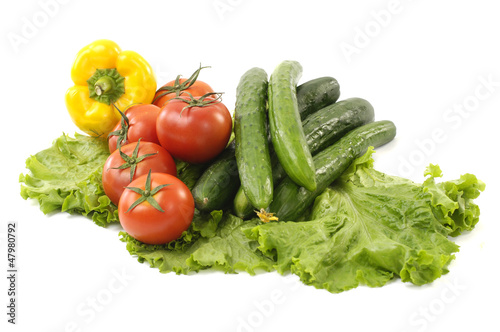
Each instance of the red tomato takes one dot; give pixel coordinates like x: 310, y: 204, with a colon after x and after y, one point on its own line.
x: 142, y: 124
x: 145, y: 222
x: 194, y: 134
x: 115, y: 180
x: 198, y: 88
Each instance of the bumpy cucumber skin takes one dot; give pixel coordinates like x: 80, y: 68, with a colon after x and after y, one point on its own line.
x: 321, y: 129
x: 316, y: 94
x: 285, y: 126
x: 291, y: 200
x: 329, y: 124
x: 250, y: 134
x: 218, y: 184
x: 312, y: 96
x: 334, y: 121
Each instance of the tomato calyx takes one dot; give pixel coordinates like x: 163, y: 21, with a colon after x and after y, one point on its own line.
x: 147, y: 194
x: 178, y: 87
x: 122, y: 131
x: 132, y: 160
x: 201, y: 101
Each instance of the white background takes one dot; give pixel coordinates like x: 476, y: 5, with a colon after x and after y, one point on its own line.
x: 417, y: 62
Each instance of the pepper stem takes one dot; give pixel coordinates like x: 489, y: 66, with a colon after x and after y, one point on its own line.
x: 106, y: 85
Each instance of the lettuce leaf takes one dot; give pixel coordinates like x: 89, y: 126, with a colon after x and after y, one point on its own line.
x: 369, y: 227
x: 189, y: 173
x: 214, y: 241
x: 452, y: 201
x: 366, y: 228
x: 67, y: 177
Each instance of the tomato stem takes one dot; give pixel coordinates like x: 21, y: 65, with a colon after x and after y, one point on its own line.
x: 201, y: 101
x: 132, y: 161
x: 179, y: 87
x: 122, y: 132
x: 147, y: 194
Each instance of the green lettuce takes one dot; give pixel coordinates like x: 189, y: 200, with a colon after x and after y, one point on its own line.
x: 189, y: 173
x: 214, y: 241
x: 369, y: 227
x: 366, y: 228
x: 67, y: 177
x: 452, y: 201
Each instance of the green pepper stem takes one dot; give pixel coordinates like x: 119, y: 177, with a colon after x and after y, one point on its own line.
x: 104, y: 85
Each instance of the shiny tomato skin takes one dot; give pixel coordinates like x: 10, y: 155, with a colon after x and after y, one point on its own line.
x: 142, y: 123
x: 114, y: 180
x: 195, y: 134
x: 199, y: 88
x: 149, y: 225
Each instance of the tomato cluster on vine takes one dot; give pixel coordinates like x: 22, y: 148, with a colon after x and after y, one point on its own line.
x: 186, y: 121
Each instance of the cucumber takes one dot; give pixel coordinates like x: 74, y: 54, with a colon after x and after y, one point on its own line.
x: 242, y: 207
x: 330, y: 123
x: 321, y: 129
x: 305, y: 101
x: 316, y: 94
x: 219, y: 183
x: 250, y: 133
x: 285, y: 126
x: 291, y: 201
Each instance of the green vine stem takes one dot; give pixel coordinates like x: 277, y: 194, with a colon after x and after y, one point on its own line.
x: 121, y: 132
x: 202, y: 101
x: 178, y: 87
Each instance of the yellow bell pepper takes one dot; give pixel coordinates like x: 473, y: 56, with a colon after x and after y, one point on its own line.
x: 105, y: 77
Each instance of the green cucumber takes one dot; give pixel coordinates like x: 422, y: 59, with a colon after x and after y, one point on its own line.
x: 291, y: 201
x: 242, y: 207
x: 285, y: 126
x: 330, y: 123
x: 218, y: 184
x: 321, y: 129
x: 316, y: 94
x: 306, y: 102
x: 250, y: 133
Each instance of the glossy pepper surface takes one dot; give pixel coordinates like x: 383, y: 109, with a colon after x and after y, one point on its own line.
x: 107, y: 78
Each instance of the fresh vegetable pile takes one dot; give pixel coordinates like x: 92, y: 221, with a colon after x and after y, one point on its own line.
x: 290, y: 188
